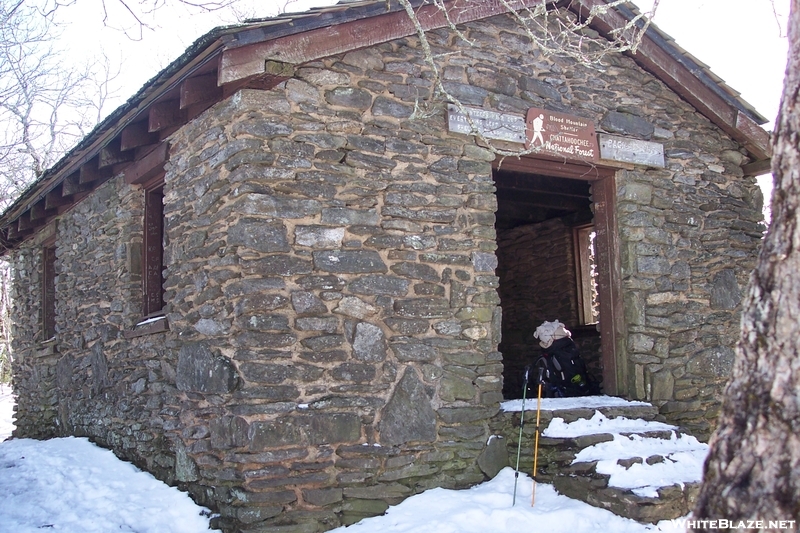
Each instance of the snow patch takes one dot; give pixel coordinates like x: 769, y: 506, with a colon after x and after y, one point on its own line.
x: 583, y: 402
x: 599, y: 423
x: 487, y: 507
x: 69, y: 484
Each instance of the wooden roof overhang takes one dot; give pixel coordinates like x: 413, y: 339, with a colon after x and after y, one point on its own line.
x: 261, y: 54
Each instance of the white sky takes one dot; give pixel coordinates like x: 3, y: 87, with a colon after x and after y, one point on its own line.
x: 742, y: 41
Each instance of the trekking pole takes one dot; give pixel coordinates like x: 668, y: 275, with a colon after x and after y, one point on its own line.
x: 536, y: 439
x: 521, y: 423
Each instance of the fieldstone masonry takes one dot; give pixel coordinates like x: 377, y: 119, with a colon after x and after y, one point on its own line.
x: 330, y: 289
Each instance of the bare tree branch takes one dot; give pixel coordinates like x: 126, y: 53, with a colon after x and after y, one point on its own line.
x: 553, y: 31
x: 43, y: 102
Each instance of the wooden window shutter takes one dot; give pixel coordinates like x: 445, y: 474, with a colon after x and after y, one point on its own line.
x: 48, y: 292
x: 153, y: 264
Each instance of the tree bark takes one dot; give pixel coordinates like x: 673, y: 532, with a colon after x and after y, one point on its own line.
x: 753, y: 469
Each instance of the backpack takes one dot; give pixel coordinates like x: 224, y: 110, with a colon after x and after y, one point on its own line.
x: 564, y: 372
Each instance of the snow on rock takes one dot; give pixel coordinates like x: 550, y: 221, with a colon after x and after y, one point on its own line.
x: 679, y: 460
x: 599, y: 423
x: 583, y: 402
x: 71, y: 485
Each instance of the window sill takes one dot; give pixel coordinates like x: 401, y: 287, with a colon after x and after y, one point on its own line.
x: 45, y: 348
x: 149, y: 326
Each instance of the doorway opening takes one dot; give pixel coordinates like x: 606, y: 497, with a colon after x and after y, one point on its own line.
x: 554, y: 264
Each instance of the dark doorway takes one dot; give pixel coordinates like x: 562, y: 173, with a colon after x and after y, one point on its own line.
x: 548, y: 212
x: 547, y: 267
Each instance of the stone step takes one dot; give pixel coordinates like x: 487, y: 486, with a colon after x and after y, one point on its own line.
x: 673, y: 501
x: 583, y: 479
x: 557, y: 453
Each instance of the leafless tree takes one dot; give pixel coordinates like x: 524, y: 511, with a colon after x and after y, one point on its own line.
x: 753, y: 470
x: 45, y: 104
x: 5, y: 322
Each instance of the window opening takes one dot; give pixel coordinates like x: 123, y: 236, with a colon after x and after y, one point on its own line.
x: 551, y: 254
x: 153, y: 264
x: 584, y: 238
x: 48, y: 292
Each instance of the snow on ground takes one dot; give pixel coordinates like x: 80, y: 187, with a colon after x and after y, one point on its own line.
x: 487, y: 508
x: 71, y: 486
x: 681, y: 462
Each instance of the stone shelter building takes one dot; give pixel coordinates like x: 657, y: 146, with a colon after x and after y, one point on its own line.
x: 270, y: 279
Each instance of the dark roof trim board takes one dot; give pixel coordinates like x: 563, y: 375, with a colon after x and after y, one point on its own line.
x: 659, y: 57
x: 699, y: 70
x: 261, y: 54
x: 245, y: 61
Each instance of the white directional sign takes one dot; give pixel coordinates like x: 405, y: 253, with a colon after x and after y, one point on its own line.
x: 633, y: 151
x: 492, y: 125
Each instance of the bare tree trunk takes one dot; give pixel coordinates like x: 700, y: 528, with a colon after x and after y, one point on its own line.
x: 753, y: 470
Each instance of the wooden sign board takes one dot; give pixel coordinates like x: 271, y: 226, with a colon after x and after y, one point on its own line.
x: 492, y: 125
x: 561, y: 135
x: 633, y: 151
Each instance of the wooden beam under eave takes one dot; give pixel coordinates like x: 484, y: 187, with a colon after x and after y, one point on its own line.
x: 757, y: 168
x: 15, y: 234
x: 163, y: 115
x: 112, y: 154
x: 6, y: 241
x: 136, y: 135
x: 149, y: 166
x: 24, y: 222
x: 56, y: 198
x: 264, y: 82
x: 40, y: 212
x: 251, y: 60
x: 677, y: 77
x: 72, y: 185
x: 91, y: 171
x: 759, y: 138
x: 199, y: 90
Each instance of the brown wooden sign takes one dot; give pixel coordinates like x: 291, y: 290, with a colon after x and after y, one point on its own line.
x: 561, y: 135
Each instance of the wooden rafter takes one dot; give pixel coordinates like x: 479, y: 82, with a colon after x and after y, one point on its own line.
x: 148, y: 166
x: 135, y: 135
x: 200, y: 89
x: 165, y: 114
x: 55, y: 198
x: 112, y: 154
x: 91, y: 171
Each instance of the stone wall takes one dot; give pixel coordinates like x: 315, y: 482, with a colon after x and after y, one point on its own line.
x: 331, y: 297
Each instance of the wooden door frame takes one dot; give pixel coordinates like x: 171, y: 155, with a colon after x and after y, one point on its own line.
x: 609, y: 275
